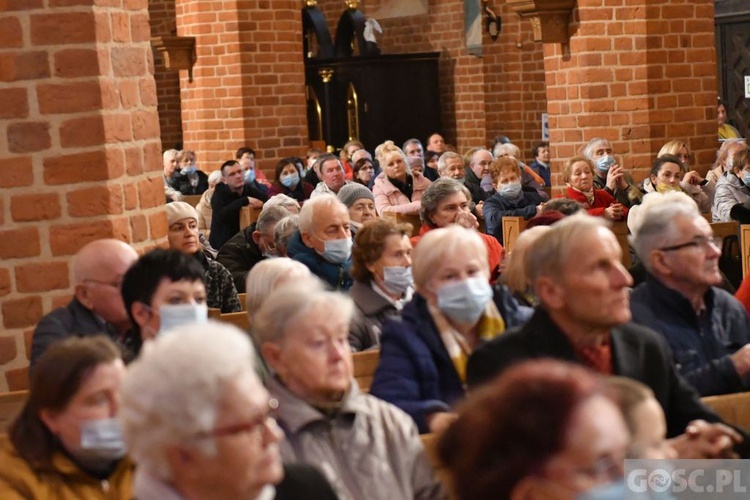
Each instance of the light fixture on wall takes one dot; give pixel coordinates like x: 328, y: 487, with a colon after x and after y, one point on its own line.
x: 492, y: 22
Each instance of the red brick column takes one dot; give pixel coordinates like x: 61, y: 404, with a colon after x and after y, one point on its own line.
x: 638, y: 73
x: 79, y: 151
x: 162, y: 21
x: 249, y: 83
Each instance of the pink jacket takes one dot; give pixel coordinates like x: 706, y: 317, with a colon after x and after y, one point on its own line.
x: 389, y: 199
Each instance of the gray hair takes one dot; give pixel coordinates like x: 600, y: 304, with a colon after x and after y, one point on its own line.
x: 507, y: 149
x: 280, y: 200
x: 552, y: 251
x: 307, y: 214
x: 269, y: 217
x: 655, y: 224
x: 436, y: 192
x: 474, y: 154
x: 412, y: 141
x: 443, y: 160
x: 284, y: 230
x: 172, y: 390
x: 320, y: 160
x: 214, y: 178
x: 265, y: 276
x: 168, y: 153
x: 293, y: 300
x: 590, y: 148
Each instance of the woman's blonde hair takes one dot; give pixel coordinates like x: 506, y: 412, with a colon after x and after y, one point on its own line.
x: 569, y: 166
x: 438, y: 245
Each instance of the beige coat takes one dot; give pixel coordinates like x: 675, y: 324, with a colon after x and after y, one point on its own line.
x: 389, y: 199
x: 368, y: 449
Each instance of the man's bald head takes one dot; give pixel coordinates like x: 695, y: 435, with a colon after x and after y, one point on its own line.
x: 98, y: 269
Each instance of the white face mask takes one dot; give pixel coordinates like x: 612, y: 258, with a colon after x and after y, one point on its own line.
x: 464, y: 301
x: 174, y: 315
x: 337, y: 251
x: 101, y: 442
x: 397, y: 279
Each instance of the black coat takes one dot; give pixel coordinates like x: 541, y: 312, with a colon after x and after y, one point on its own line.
x: 226, y: 206
x: 182, y: 184
x: 302, y: 482
x: 239, y: 255
x: 638, y: 353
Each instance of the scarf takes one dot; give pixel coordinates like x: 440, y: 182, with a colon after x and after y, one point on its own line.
x: 407, y: 188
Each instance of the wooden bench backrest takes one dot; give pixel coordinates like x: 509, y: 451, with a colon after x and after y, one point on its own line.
x: 248, y: 215
x: 365, y: 364
x: 745, y: 245
x: 214, y: 313
x: 732, y: 408
x: 512, y: 227
x: 10, y: 406
x: 412, y: 219
x: 238, y: 319
x: 243, y: 300
x: 192, y: 199
x: 724, y: 229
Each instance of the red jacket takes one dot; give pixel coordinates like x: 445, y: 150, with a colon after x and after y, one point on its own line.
x: 602, y: 200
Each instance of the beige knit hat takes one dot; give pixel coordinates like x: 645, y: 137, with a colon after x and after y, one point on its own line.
x: 178, y: 210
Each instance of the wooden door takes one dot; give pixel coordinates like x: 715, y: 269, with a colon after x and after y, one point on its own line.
x: 733, y: 59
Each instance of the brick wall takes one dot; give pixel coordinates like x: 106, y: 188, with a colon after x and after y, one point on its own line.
x: 163, y: 22
x: 638, y: 73
x: 79, y: 135
x: 249, y: 80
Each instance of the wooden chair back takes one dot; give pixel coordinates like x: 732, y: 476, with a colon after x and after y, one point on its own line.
x: 512, y: 227
x: 412, y: 219
x: 365, y: 364
x: 248, y: 215
x: 745, y: 246
x: 10, y: 406
x: 192, y: 199
x: 732, y: 408
x: 238, y: 319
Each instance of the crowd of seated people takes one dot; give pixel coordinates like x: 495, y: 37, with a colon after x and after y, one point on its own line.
x: 399, y: 254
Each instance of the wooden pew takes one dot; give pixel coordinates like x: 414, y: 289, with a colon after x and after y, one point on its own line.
x: 620, y: 229
x: 732, y: 408
x: 745, y: 246
x: 214, y: 313
x: 243, y: 300
x: 365, y: 364
x: 10, y: 406
x: 192, y: 199
x: 724, y: 229
x: 429, y: 441
x: 512, y: 227
x: 238, y: 319
x: 248, y: 215
x: 412, y: 219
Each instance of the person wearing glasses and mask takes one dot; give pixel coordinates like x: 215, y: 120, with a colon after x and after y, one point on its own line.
x: 199, y: 423
x: 366, y: 447
x: 423, y: 356
x: 705, y: 326
x: 66, y: 443
x: 164, y: 289
x: 97, y: 305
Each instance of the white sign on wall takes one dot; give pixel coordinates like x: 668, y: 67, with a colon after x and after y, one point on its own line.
x: 747, y: 87
x: 545, y: 126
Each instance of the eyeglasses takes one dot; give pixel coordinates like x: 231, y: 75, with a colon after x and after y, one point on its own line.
x: 704, y: 242
x: 264, y: 421
x: 114, y: 284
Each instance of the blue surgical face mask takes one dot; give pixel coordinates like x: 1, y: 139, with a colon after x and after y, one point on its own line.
x: 604, y: 163
x: 511, y: 190
x: 397, y: 279
x: 465, y: 300
x: 173, y: 315
x: 190, y: 169
x: 290, y: 180
x: 746, y: 178
x: 250, y: 175
x: 337, y: 251
x: 486, y: 183
x: 101, y: 442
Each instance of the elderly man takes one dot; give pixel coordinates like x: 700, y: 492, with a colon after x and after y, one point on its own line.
x: 323, y: 241
x: 451, y: 165
x: 97, y: 306
x: 584, y: 317
x: 609, y: 175
x: 706, y: 328
x: 200, y: 424
x: 252, y: 245
x: 169, y: 163
x: 229, y: 197
x: 331, y: 173
x: 478, y: 180
x: 163, y: 289
x: 366, y: 447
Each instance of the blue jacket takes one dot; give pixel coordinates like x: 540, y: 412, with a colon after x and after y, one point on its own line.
x: 543, y: 172
x: 336, y: 275
x: 701, y: 345
x: 415, y: 371
x: 498, y: 206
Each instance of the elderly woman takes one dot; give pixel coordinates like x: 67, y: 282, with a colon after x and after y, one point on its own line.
x: 182, y: 235
x: 423, y: 356
x: 381, y: 268
x: 360, y: 202
x: 190, y: 180
x: 609, y: 175
x: 724, y: 162
x: 395, y: 189
x: 288, y: 180
x: 447, y: 202
x: 366, y: 447
x: 732, y: 199
x: 204, y: 205
x: 268, y: 276
x: 514, y: 275
x: 510, y: 199
x: 66, y: 443
x: 362, y: 171
x: 543, y: 429
x: 578, y: 175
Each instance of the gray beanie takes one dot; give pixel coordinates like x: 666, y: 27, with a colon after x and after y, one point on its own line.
x: 354, y: 191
